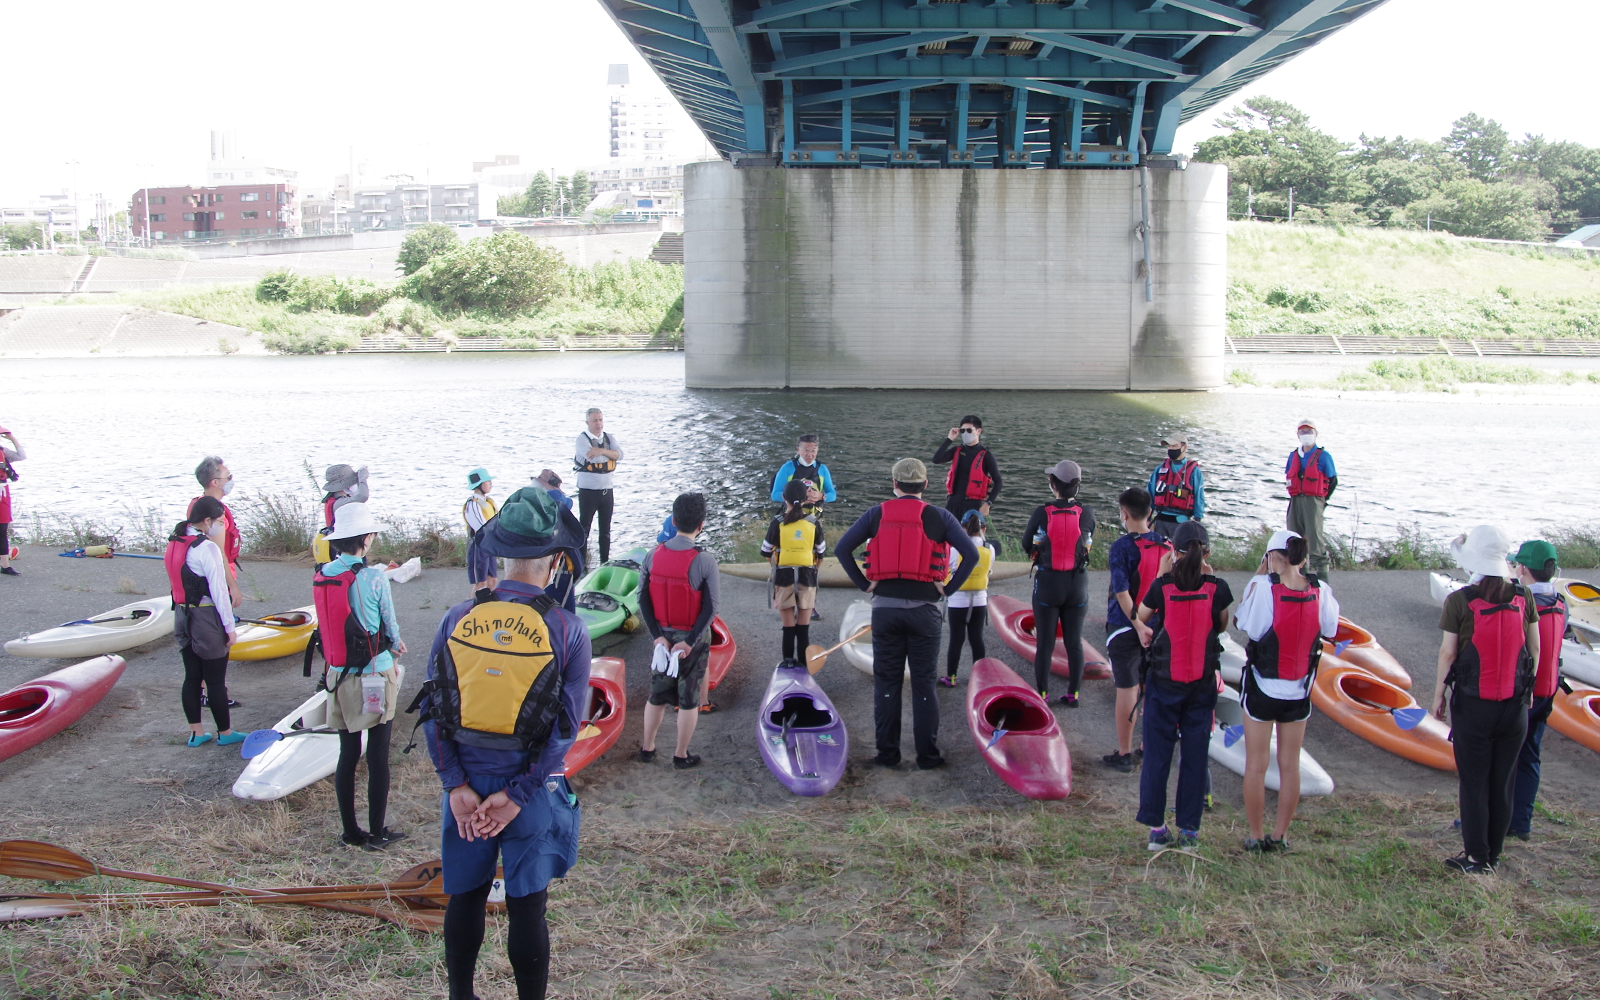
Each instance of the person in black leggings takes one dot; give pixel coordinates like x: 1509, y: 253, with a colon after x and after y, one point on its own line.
x: 969, y: 607
x: 1057, y: 538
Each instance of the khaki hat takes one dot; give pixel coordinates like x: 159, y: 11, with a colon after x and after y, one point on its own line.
x: 1307, y: 422
x: 1065, y: 470
x: 909, y: 470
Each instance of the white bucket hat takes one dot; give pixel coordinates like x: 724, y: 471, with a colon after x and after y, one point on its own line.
x: 354, y: 520
x: 1482, y: 550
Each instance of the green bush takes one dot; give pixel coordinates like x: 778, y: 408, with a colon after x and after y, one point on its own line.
x: 422, y: 245
x: 276, y: 286
x: 506, y: 273
x: 323, y: 292
x: 1299, y: 299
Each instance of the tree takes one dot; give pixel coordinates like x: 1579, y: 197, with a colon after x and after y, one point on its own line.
x: 582, y: 193
x: 422, y: 245
x: 536, y: 201
x: 22, y: 236
x: 1272, y: 146
x: 563, y: 196
x: 511, y: 204
x: 506, y: 273
x: 1469, y: 207
x: 1480, y: 145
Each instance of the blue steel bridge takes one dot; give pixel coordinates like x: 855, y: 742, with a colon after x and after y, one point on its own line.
x: 963, y: 83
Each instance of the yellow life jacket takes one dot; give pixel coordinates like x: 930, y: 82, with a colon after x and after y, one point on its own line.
x: 498, y: 682
x: 979, y: 580
x: 597, y: 465
x: 480, y: 499
x: 321, y: 552
x: 797, y: 543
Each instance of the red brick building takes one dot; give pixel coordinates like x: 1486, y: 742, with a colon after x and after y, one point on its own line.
x: 223, y: 212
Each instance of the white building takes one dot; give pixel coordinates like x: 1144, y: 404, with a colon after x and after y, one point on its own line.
x: 226, y: 166
x: 52, y: 213
x: 641, y: 120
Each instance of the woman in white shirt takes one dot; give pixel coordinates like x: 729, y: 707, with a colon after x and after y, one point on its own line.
x: 204, y: 625
x: 969, y: 606
x: 1286, y: 614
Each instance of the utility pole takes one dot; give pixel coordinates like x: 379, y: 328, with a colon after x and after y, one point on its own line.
x: 1291, y: 205
x: 1249, y: 202
x: 1430, y: 220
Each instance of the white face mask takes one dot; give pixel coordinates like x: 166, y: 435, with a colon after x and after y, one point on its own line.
x: 227, y: 487
x: 967, y: 437
x: 1307, y: 440
x: 217, y: 531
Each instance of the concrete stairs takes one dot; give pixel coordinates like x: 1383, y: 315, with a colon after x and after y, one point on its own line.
x: 668, y: 249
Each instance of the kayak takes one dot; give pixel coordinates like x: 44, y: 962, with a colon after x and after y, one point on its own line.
x: 1013, y: 621
x: 604, y: 716
x: 33, y: 712
x: 608, y: 596
x: 111, y: 632
x: 1363, y: 704
x: 1583, y: 602
x: 859, y: 652
x: 1230, y: 713
x: 1365, y: 653
x: 723, y: 650
x: 264, y: 642
x: 1442, y: 585
x: 1580, y: 663
x: 1576, y: 715
x: 292, y: 764
x: 1016, y: 732
x: 1233, y: 660
x: 803, y: 740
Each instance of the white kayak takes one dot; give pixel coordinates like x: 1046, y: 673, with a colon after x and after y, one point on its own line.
x: 1313, y: 779
x: 1578, y: 661
x: 1441, y: 585
x: 109, y: 632
x: 1232, y: 661
x: 291, y: 764
x: 859, y: 652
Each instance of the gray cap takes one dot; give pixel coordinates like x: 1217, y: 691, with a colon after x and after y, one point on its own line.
x: 909, y: 470
x: 1065, y: 470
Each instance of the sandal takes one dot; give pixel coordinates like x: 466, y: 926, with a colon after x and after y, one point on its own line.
x: 708, y: 708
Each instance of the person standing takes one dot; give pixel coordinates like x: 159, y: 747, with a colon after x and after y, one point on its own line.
x: 1177, y: 489
x: 596, y: 457
x: 973, y: 482
x: 908, y: 552
x: 969, y: 606
x: 361, y: 645
x: 794, y: 546
x: 476, y: 512
x: 1487, y: 657
x: 203, y: 619
x: 1285, y: 613
x: 9, y: 454
x: 805, y: 467
x: 1535, y: 566
x: 1311, y: 480
x: 341, y: 484
x: 1136, y: 559
x: 1180, y: 690
x: 216, y: 481
x: 679, y: 591
x: 1058, y: 538
x: 499, y: 717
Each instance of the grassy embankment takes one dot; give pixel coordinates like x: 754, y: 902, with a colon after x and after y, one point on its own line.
x: 873, y: 901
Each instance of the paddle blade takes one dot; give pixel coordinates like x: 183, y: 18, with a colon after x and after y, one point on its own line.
x: 1339, y: 648
x: 588, y: 732
x: 257, y: 742
x: 33, y: 859
x: 1409, y: 718
x: 995, y: 739
x: 1232, y: 735
x: 73, y: 554
x: 816, y: 656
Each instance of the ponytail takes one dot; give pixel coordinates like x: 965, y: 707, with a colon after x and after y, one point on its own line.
x: 792, y: 512
x: 1496, y: 589
x: 204, y: 508
x: 1189, y: 567
x: 1294, y: 551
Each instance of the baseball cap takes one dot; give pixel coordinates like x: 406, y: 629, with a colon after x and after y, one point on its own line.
x: 1190, y: 531
x: 1174, y: 443
x: 1535, y: 553
x: 1065, y: 470
x: 1307, y: 422
x: 1280, y: 539
x: 909, y: 470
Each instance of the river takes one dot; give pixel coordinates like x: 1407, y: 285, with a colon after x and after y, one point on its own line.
x: 107, y: 437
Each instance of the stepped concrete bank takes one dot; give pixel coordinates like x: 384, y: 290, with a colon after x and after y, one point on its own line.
x: 1005, y: 279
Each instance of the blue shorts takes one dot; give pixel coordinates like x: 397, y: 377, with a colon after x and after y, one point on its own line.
x: 537, y: 846
x: 480, y: 564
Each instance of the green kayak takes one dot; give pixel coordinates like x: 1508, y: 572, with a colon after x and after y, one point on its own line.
x: 608, y: 597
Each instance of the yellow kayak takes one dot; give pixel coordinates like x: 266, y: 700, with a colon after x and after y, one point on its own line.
x: 1583, y: 602
x: 268, y: 642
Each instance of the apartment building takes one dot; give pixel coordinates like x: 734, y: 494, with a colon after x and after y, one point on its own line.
x: 406, y: 206
x: 221, y: 212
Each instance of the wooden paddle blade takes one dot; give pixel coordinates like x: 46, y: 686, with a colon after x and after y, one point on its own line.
x: 816, y: 656
x: 35, y: 859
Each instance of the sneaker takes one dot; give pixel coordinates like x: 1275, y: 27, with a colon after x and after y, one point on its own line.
x: 1465, y: 863
x: 1254, y: 846
x: 229, y: 739
x: 1161, y: 839
x: 816, y: 615
x: 357, y: 839
x: 947, y: 682
x: 1208, y: 802
x: 1069, y: 700
x: 884, y: 761
x: 378, y: 841
x: 646, y: 756
x: 200, y: 739
x: 1522, y: 835
x: 1138, y: 755
x: 928, y: 765
x: 1188, y: 840
x: 790, y: 663
x: 1276, y: 845
x: 205, y: 702
x: 10, y: 571
x: 708, y: 708
x: 684, y: 763
x: 1123, y: 762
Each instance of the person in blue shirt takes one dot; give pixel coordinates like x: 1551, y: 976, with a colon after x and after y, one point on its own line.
x: 804, y: 466
x: 511, y: 803
x: 1177, y: 489
x: 1136, y: 559
x: 1311, y: 480
x: 548, y: 481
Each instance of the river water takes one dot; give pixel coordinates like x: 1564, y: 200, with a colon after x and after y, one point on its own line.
x: 111, y: 436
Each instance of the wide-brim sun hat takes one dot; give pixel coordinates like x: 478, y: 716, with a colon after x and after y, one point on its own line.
x: 1482, y: 550
x: 477, y: 477
x: 339, y: 478
x: 530, y: 525
x: 353, y: 520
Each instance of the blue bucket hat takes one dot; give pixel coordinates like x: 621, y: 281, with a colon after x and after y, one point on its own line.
x: 531, y: 525
x: 477, y: 477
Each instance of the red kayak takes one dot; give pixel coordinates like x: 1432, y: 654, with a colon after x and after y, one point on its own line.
x: 1029, y: 753
x: 608, y: 707
x: 33, y: 712
x: 1014, y: 621
x: 723, y: 650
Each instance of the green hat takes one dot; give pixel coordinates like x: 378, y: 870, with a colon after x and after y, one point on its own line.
x: 530, y: 525
x: 477, y: 477
x: 1534, y: 554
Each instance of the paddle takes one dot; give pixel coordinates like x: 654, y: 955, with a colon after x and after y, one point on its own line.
x: 140, y: 613
x: 258, y: 741
x: 269, y: 623
x: 106, y: 554
x: 816, y: 656
x: 1406, y: 718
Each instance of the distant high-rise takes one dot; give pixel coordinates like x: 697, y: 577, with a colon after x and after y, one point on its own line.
x: 639, y: 120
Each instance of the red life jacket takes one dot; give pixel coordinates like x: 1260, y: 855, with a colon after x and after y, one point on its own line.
x: 1552, y: 626
x: 327, y: 508
x: 1495, y: 665
x: 1064, y: 529
x: 231, y: 541
x: 1293, y: 645
x: 978, y: 480
x: 188, y: 588
x: 902, y: 550
x: 1173, y: 494
x: 1305, y: 474
x: 345, y: 642
x: 1150, y: 553
x: 1187, y: 649
x: 676, y: 604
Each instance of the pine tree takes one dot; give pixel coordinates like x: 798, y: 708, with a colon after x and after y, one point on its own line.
x: 582, y: 193
x: 539, y: 195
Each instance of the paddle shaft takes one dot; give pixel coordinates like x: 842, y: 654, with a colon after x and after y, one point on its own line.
x: 816, y: 656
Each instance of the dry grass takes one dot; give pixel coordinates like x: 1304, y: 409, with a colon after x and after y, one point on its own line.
x: 862, y: 902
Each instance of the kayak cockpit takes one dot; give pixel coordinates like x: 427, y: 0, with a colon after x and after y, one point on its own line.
x: 600, y: 707
x: 18, y: 708
x: 1017, y: 715
x: 1372, y: 694
x: 798, y: 711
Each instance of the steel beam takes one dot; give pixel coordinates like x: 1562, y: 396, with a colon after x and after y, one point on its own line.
x: 861, y: 50
x: 730, y: 50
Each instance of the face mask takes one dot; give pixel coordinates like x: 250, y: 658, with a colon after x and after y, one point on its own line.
x: 1307, y: 440
x: 967, y: 437
x: 1174, y: 453
x: 217, y: 531
x: 227, y: 487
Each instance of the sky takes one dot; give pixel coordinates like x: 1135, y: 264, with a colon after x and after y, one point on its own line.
x: 428, y: 90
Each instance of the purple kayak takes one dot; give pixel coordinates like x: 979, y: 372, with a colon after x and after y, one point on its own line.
x: 802, y: 738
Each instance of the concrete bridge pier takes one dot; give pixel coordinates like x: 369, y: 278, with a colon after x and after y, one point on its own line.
x: 932, y: 278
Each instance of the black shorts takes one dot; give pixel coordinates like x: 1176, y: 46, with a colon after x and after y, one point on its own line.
x: 1262, y: 708
x: 1127, y: 656
x: 683, y: 689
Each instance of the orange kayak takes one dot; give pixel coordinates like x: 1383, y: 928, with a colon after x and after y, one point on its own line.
x: 1576, y: 715
x: 723, y: 650
x: 1013, y: 621
x: 1365, y: 653
x: 1363, y: 704
x: 608, y: 707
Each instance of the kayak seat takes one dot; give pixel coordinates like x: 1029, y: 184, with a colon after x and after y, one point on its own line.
x: 1373, y: 692
x: 1018, y: 715
x: 600, y: 707
x: 597, y: 600
x: 1025, y: 624
x: 294, y: 621
x: 19, y: 707
x: 628, y: 564
x: 805, y: 711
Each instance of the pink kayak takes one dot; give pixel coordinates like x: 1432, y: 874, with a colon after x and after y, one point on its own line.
x: 1017, y: 733
x: 33, y: 712
x: 1013, y: 620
